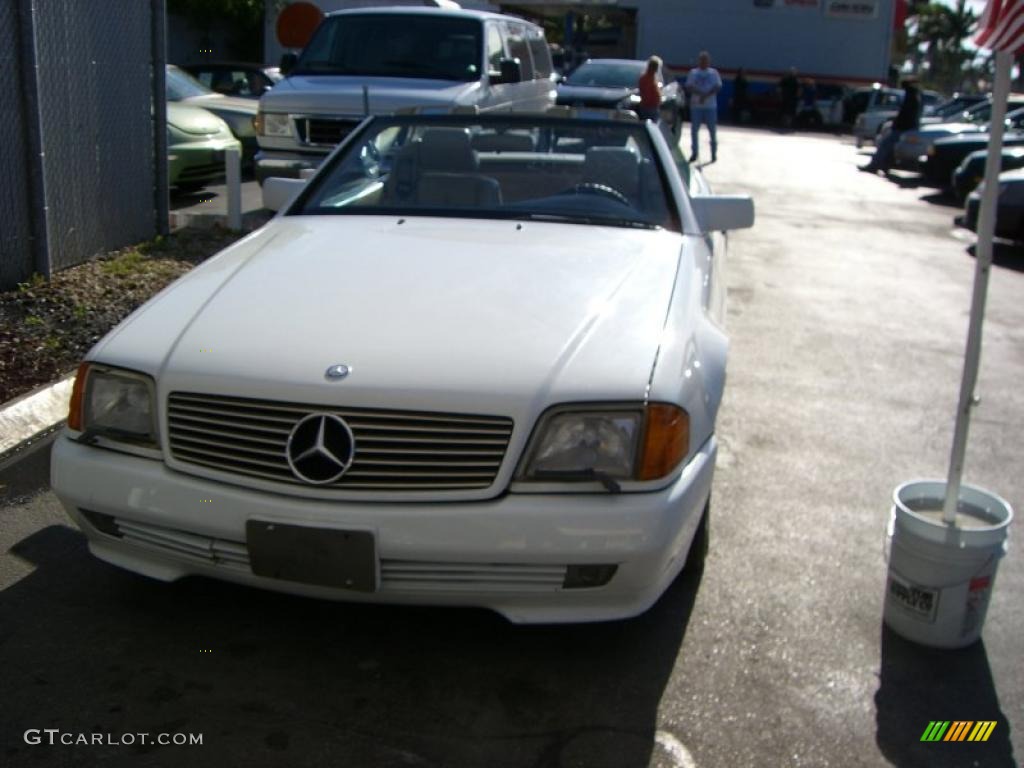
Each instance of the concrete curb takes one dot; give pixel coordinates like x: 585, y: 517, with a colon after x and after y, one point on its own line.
x: 250, y: 220
x: 33, y: 414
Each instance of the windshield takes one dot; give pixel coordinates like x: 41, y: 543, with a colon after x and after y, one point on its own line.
x: 181, y: 85
x: 538, y: 169
x: 608, y: 74
x: 395, y: 45
x: 979, y: 113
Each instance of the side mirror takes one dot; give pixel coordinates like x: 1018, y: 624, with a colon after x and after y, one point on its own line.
x: 722, y: 213
x: 279, y: 192
x: 511, y: 71
x: 288, y: 62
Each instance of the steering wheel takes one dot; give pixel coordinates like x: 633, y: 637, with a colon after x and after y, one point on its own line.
x: 593, y: 188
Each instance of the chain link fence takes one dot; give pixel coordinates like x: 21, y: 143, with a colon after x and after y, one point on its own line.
x: 79, y: 144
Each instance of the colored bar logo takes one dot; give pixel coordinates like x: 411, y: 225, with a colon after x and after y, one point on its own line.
x: 958, y: 730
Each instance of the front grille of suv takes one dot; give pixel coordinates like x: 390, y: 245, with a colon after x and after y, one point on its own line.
x: 324, y: 131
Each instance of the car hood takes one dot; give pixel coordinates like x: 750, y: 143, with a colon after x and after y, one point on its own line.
x: 436, y: 314
x: 939, y: 130
x: 341, y: 95
x: 216, y: 102
x: 978, y: 139
x: 591, y: 93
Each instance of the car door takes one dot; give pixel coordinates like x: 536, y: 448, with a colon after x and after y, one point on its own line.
x: 498, y: 95
x: 524, y: 94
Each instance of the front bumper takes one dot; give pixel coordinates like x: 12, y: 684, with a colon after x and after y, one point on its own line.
x: 1009, y: 218
x: 197, y: 162
x: 505, y: 554
x: 289, y: 165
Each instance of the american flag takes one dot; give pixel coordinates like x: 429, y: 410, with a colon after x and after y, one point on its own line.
x: 1002, y: 26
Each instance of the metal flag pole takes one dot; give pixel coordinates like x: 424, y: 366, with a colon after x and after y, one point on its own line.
x: 982, y: 267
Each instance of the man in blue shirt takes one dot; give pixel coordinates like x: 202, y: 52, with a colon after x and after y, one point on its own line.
x: 702, y: 85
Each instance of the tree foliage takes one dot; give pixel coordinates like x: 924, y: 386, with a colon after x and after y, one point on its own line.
x: 936, y: 42
x: 204, y: 13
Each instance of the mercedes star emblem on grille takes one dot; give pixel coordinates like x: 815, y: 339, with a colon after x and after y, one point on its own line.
x: 320, y: 448
x: 337, y: 372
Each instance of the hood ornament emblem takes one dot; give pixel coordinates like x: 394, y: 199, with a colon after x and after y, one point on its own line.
x: 320, y: 448
x: 337, y: 372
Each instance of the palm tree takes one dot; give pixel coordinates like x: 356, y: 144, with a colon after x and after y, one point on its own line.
x: 939, y: 34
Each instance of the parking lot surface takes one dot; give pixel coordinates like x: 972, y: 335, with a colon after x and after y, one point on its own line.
x: 848, y: 308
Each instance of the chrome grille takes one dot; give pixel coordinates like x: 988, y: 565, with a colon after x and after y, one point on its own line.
x: 395, y: 450
x: 324, y: 131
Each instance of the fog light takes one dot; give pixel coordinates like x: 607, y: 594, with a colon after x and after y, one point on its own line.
x: 586, y: 576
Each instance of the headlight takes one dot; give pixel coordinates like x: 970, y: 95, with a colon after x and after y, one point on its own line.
x: 114, y: 403
x: 931, y: 151
x: 273, y: 124
x: 619, y: 443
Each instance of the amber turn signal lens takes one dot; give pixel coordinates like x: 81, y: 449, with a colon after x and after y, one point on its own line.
x: 666, y: 441
x: 77, y: 393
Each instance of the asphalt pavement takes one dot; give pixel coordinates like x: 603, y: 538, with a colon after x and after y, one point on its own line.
x: 847, y: 314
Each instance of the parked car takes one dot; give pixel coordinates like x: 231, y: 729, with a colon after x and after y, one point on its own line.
x: 1009, y: 210
x: 883, y: 105
x: 827, y: 110
x: 233, y: 78
x: 912, y: 148
x: 237, y: 113
x: 488, y: 378
x: 971, y: 170
x: 612, y: 84
x: 944, y: 155
x: 378, y: 60
x: 196, y: 142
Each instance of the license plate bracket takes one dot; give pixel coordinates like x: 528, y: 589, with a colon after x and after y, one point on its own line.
x: 328, y: 557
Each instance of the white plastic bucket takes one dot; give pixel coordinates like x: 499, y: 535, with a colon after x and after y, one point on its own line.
x: 941, y: 577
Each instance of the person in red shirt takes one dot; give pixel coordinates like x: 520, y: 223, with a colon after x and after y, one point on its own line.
x: 650, y: 91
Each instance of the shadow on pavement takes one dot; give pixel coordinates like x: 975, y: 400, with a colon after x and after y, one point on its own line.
x: 1004, y: 254
x: 942, y: 198
x: 90, y: 648
x: 919, y: 685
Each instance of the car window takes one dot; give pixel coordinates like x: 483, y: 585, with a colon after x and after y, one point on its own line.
x: 495, y: 50
x: 890, y: 99
x: 395, y: 45
x: 181, y: 85
x: 519, y: 49
x: 979, y: 113
x: 540, y: 53
x: 542, y: 169
x: 607, y: 74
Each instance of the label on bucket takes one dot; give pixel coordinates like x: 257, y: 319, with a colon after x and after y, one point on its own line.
x: 977, y: 604
x: 921, y: 602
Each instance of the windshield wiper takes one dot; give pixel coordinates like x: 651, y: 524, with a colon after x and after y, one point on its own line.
x: 610, y: 483
x: 596, y: 220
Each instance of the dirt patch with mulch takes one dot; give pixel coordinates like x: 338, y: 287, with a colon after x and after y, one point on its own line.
x: 47, y: 326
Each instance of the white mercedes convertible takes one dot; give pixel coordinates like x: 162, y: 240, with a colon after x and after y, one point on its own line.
x: 474, y: 360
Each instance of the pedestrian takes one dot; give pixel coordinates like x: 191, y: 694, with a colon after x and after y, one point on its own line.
x: 650, y: 91
x: 789, y: 86
x: 907, y: 119
x: 808, y: 112
x: 702, y: 85
x: 739, y: 97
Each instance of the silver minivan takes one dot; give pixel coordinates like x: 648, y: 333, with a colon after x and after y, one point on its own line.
x: 374, y: 61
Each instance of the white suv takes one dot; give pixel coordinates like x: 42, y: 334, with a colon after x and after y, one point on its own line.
x: 377, y: 61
